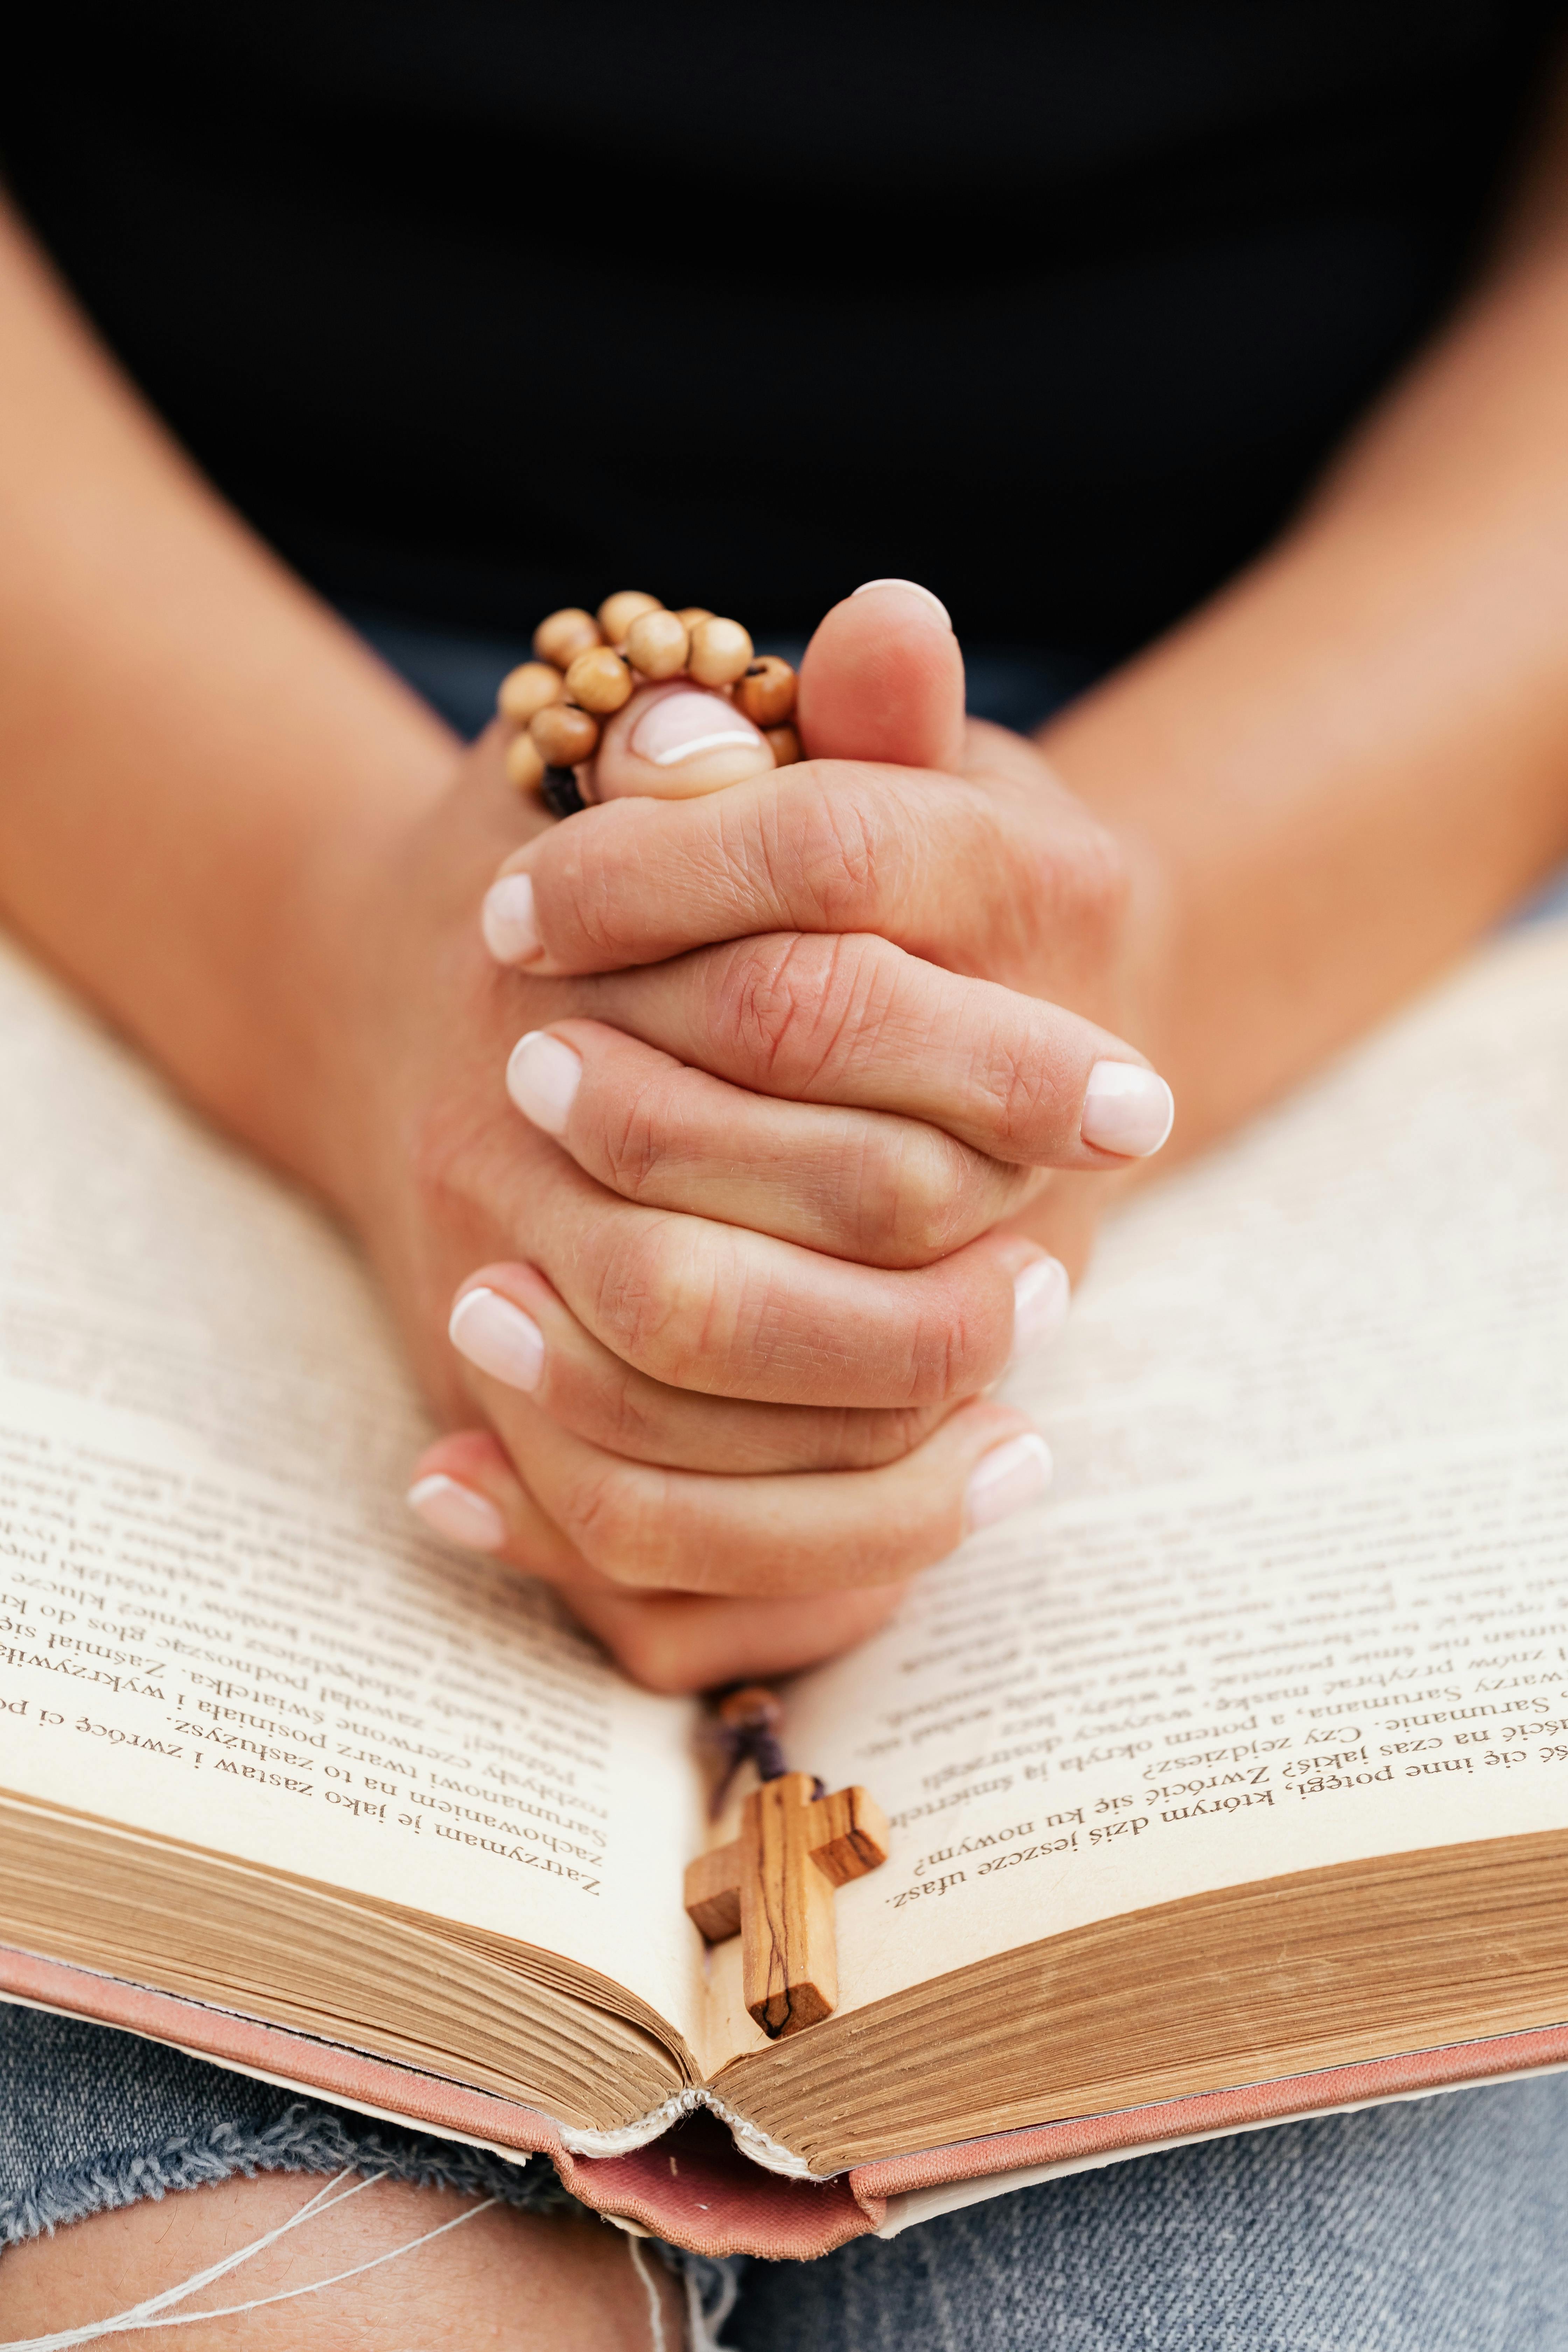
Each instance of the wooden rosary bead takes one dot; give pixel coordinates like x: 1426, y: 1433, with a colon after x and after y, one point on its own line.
x: 564, y: 734
x: 562, y: 636
x: 528, y: 688
x: 657, y: 644
x: 600, y: 680
x: 588, y: 667
x: 524, y: 763
x: 618, y: 613
x: 720, y: 653
x: 766, y: 692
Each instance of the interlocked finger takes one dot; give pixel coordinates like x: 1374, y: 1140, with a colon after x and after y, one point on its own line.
x: 509, y: 1324
x: 860, y: 1023
x: 583, y: 1516
x: 865, y: 1185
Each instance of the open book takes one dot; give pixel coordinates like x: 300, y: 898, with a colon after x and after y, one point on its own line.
x: 1229, y: 1784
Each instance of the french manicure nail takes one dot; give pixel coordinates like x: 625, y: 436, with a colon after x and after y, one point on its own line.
x: 915, y: 590
x: 1041, y: 1297
x: 542, y: 1079
x: 457, y: 1513
x: 1007, y: 1478
x: 507, y: 920
x: 679, y: 725
x: 1126, y: 1109
x: 499, y: 1337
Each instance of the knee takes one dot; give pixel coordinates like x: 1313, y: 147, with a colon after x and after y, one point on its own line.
x: 514, y: 2281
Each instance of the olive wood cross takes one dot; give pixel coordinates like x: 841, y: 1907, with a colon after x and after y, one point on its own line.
x: 773, y: 1886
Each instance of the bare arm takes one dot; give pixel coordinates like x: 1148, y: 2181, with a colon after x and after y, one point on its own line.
x: 190, y: 742
x: 1356, y: 758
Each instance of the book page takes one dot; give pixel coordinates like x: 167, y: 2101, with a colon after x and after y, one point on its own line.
x: 217, y: 1619
x: 1299, y: 1594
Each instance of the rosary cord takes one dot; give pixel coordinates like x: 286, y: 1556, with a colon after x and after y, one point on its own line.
x: 745, y: 1731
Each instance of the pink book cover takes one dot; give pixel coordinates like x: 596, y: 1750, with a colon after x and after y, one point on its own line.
x: 692, y: 2186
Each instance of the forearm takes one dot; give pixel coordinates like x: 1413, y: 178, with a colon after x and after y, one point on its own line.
x: 192, y: 749
x: 1356, y: 758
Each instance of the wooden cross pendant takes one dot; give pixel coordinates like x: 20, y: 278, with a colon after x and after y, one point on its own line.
x: 773, y: 1886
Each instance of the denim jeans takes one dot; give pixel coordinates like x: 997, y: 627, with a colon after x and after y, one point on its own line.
x: 1439, y: 2225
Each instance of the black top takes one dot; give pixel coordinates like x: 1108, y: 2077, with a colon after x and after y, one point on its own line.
x: 476, y: 307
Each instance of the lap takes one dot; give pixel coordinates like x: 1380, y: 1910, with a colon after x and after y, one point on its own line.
x: 93, y: 2120
x: 1422, y: 2227
x: 98, y: 2128
x: 1438, y: 2225
x: 367, y: 2274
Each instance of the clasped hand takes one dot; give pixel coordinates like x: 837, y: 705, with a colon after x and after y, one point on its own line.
x: 809, y: 1141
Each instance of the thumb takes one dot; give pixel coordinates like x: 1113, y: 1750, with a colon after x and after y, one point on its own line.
x: 883, y: 679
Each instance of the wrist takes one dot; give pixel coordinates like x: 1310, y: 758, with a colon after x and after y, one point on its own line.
x: 380, y: 965
x: 307, y: 1060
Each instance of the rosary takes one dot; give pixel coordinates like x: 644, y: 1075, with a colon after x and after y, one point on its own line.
x: 774, y: 1884
x: 588, y: 666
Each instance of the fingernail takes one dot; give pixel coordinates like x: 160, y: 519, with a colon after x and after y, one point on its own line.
x: 1007, y: 1478
x: 915, y: 590
x: 542, y: 1079
x: 677, y: 726
x: 1041, y: 1297
x: 499, y: 1337
x: 457, y: 1513
x: 507, y: 920
x: 1126, y: 1109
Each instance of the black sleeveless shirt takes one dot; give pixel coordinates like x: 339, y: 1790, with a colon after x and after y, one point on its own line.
x: 478, y: 306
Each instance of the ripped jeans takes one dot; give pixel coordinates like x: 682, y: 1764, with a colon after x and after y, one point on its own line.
x: 1439, y: 2225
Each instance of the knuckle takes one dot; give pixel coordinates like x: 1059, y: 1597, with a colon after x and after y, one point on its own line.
x: 872, y: 1440
x: 1077, y: 890
x: 618, y: 1518
x: 801, y: 1007
x: 635, y: 1137
x: 594, y: 876
x: 567, y: 879
x: 914, y: 1196
x: 767, y: 990
x: 623, y: 1419
x: 1014, y: 1077
x: 941, y: 1354
x: 663, y: 1302
x: 833, y: 849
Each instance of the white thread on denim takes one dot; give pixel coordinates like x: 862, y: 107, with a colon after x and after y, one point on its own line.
x: 157, y: 2310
